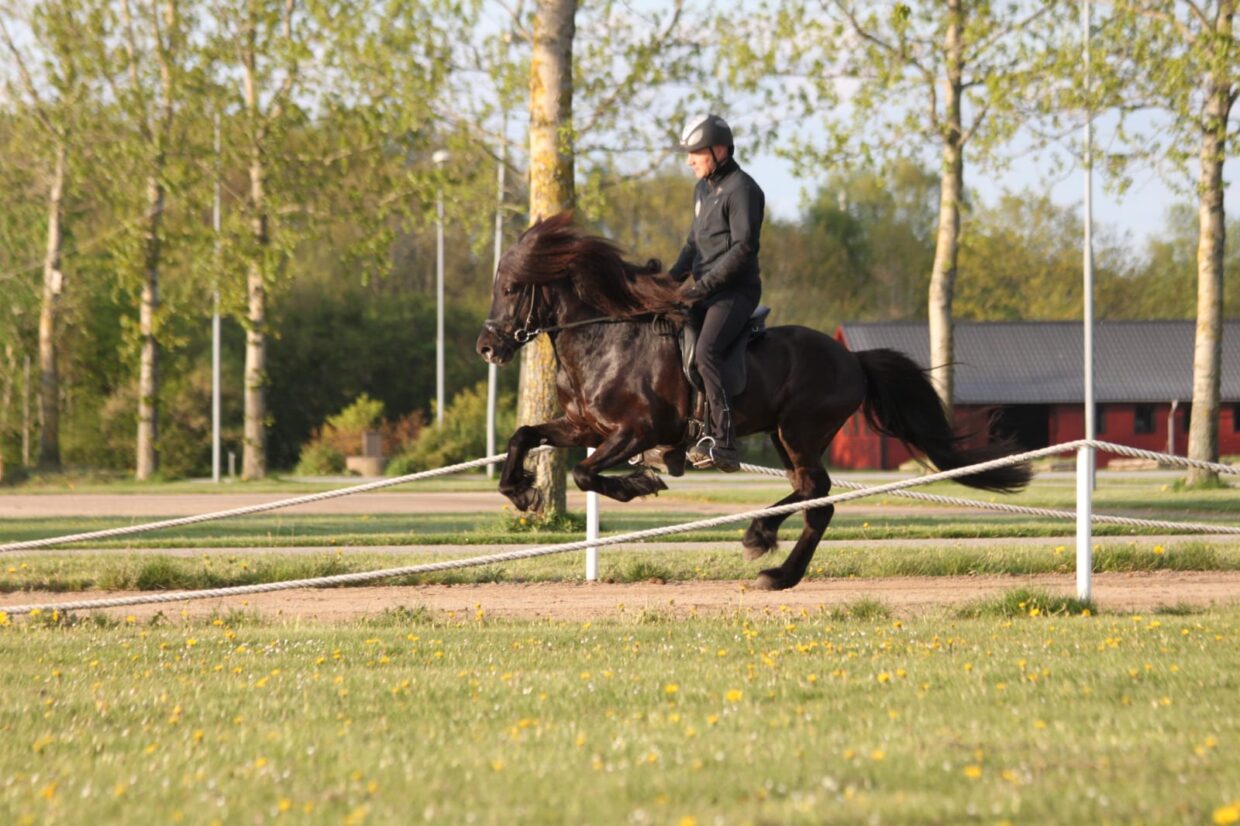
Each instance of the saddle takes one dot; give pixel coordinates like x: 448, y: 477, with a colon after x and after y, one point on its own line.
x: 672, y: 460
x: 734, y: 375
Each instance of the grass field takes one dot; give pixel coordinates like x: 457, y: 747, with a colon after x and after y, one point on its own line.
x: 77, y: 571
x: 763, y: 718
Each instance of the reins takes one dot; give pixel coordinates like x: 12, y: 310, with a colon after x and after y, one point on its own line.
x: 524, y: 334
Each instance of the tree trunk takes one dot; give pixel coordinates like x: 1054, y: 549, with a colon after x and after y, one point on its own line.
x: 1208, y: 350
x: 254, y: 449
x: 254, y: 452
x: 551, y: 190
x: 53, y: 284
x: 947, y: 244
x: 148, y: 370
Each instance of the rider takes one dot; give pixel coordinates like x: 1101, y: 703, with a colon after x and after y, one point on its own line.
x: 721, y: 254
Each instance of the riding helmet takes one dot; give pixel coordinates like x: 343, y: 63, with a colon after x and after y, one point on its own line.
x: 706, y: 130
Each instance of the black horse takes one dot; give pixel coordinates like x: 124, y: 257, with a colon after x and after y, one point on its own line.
x: 623, y: 392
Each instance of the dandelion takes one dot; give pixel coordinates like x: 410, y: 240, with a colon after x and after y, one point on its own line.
x: 4, y: 619
x: 670, y: 689
x: 1228, y: 814
x: 734, y: 695
x: 1159, y: 550
x: 284, y: 805
x: 877, y: 755
x: 973, y: 771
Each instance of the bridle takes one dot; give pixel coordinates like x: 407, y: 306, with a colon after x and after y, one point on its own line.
x: 529, y: 330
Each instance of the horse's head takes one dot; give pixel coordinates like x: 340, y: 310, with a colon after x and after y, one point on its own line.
x: 524, y: 297
x: 556, y: 273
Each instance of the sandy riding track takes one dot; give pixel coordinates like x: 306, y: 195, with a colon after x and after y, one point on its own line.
x: 905, y: 596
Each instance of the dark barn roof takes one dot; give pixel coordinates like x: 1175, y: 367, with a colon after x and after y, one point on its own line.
x: 1029, y: 362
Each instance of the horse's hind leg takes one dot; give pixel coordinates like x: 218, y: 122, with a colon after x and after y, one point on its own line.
x: 762, y: 537
x: 810, y: 481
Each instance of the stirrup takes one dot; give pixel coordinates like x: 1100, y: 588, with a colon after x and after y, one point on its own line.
x: 702, y: 454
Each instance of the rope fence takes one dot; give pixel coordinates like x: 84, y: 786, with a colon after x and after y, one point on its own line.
x: 548, y: 550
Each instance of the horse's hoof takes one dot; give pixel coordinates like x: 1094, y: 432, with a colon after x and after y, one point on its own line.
x: 527, y: 500
x: 753, y: 553
x: 758, y: 543
x: 769, y: 581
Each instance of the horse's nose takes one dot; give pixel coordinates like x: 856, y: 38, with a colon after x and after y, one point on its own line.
x: 485, y: 351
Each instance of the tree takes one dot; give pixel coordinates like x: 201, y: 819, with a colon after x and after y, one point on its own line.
x: 154, y: 55
x: 907, y: 77
x: 551, y: 191
x: 1180, y: 59
x: 51, y: 98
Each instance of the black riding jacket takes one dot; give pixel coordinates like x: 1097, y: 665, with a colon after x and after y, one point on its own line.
x: 721, y: 251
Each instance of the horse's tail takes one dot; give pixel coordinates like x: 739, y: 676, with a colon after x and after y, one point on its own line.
x: 901, y: 402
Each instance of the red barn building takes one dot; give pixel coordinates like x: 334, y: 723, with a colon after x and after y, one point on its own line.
x: 1029, y: 376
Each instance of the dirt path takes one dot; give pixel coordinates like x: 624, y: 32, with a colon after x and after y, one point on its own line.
x: 905, y: 596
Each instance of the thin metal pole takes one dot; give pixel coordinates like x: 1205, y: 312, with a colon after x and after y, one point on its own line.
x: 26, y: 413
x: 215, y: 318
x: 439, y: 310
x: 492, y: 374
x: 1085, y: 456
x: 591, y: 532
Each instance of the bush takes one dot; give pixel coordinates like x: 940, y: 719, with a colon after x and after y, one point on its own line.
x: 341, y: 436
x: 320, y: 459
x: 462, y: 436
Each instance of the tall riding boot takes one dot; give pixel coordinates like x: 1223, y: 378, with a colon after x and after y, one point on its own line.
x: 717, y: 448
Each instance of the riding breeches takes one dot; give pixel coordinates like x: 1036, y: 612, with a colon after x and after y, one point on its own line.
x: 720, y: 320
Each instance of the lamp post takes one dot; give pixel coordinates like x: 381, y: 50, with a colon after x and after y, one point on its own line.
x: 215, y: 318
x: 440, y: 158
x: 492, y: 376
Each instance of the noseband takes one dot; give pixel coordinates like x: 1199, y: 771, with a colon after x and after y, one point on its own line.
x: 528, y: 329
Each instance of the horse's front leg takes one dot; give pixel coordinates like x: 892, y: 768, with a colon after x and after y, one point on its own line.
x: 515, y: 481
x: 613, y: 450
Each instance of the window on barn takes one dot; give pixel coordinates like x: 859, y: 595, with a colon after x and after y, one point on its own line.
x: 1143, y: 418
x: 1186, y: 416
x: 1100, y: 419
x: 1235, y: 418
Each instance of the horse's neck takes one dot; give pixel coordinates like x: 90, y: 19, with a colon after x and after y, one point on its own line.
x: 588, y: 353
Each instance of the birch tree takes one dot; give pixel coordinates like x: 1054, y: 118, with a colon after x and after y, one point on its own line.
x: 153, y: 68
x: 890, y: 80
x: 51, y: 85
x: 1180, y: 60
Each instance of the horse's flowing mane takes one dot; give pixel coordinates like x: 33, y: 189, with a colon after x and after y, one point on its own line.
x: 556, y: 249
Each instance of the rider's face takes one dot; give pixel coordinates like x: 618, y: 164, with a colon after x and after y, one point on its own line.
x: 701, y: 163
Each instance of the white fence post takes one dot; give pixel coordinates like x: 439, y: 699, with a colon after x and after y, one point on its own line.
x: 591, y: 532
x: 1084, y: 518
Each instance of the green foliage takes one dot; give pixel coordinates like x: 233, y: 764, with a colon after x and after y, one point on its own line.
x: 363, y: 414
x: 461, y: 437
x: 1027, y: 602
x: 642, y: 570
x: 865, y: 609
x: 318, y: 458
